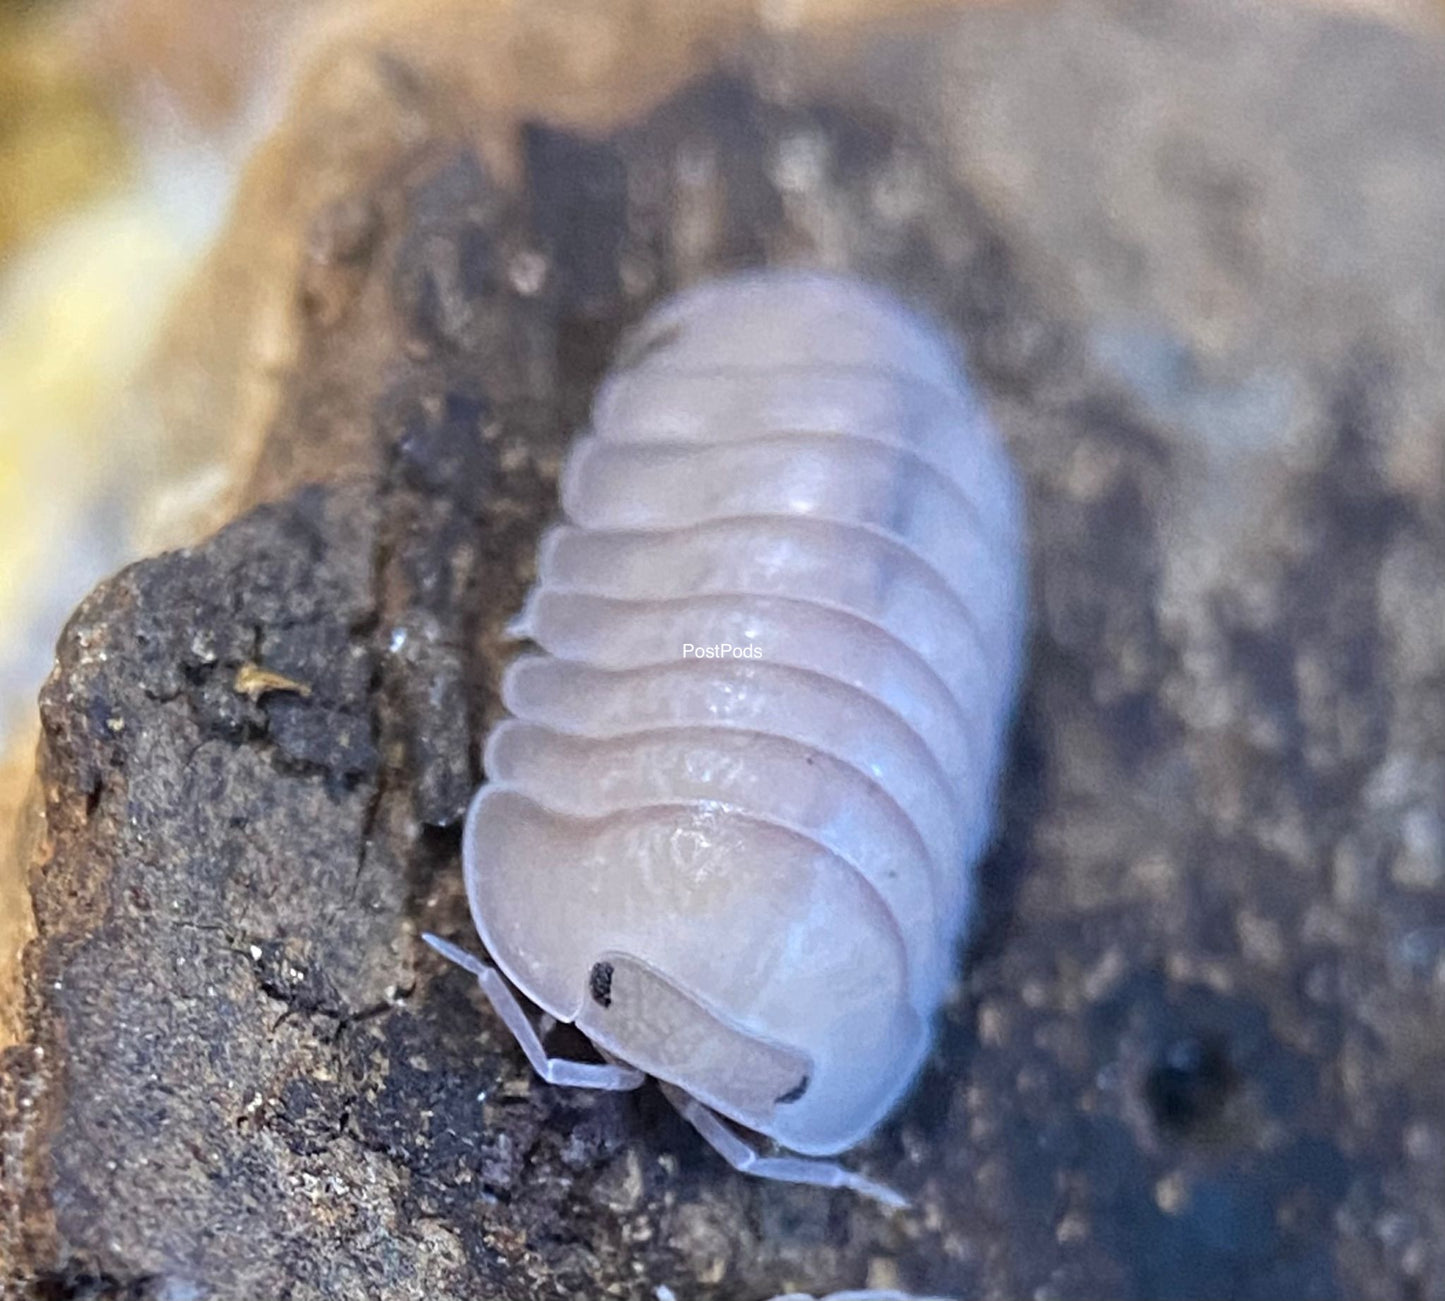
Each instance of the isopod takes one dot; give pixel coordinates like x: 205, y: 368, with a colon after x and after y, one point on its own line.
x: 745, y: 873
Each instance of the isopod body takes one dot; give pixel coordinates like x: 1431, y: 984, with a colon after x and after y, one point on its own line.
x: 730, y: 829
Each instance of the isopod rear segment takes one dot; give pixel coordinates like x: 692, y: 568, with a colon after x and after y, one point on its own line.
x: 746, y: 877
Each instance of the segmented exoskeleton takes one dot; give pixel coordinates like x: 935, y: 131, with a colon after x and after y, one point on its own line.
x: 730, y: 830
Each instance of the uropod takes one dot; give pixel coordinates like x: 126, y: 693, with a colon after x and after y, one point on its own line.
x: 730, y: 828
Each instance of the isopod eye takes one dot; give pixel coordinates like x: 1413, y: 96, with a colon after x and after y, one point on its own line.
x: 796, y: 1092
x: 599, y: 983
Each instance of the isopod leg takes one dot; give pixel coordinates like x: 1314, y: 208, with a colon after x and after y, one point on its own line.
x: 789, y: 1169
x: 554, y: 1070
